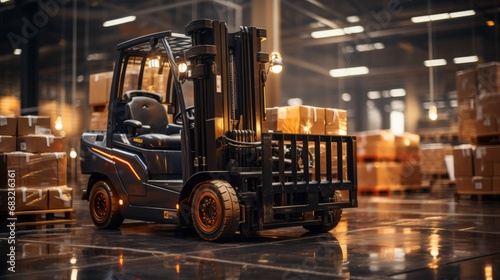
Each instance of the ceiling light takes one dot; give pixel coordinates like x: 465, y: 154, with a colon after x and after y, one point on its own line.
x: 397, y: 92
x: 370, y: 47
x: 466, y: 13
x: 433, y: 113
x: 118, y: 21
x: 354, y: 29
x: 465, y: 59
x: 327, y: 33
x: 435, y: 62
x: 18, y: 51
x: 352, y: 71
x: 352, y: 19
x: 4, y: 1
x: 443, y: 16
x: 374, y: 94
x: 337, y: 32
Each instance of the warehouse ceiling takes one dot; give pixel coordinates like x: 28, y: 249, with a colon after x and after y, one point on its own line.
x: 389, y: 44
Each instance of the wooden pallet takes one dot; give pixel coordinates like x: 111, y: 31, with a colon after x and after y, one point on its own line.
x: 492, y: 138
x: 380, y: 190
x: 49, y: 218
x: 478, y: 194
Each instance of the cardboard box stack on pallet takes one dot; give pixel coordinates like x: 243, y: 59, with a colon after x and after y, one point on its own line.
x: 477, y: 166
x: 388, y: 163
x: 36, y: 162
x: 311, y: 120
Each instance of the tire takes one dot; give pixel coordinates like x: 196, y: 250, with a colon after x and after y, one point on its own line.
x: 103, y: 206
x: 215, y: 210
x: 333, y: 218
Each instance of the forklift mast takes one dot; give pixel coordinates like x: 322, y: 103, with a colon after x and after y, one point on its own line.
x: 228, y: 88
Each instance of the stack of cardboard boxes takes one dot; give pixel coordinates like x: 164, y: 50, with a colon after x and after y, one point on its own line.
x: 477, y: 167
x: 36, y: 163
x: 302, y: 119
x: 478, y: 92
x: 388, y: 162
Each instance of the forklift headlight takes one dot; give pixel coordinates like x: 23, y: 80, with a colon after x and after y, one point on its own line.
x: 276, y: 65
x: 182, y: 67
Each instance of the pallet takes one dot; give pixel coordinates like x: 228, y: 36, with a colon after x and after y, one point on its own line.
x: 478, y: 194
x: 49, y: 218
x: 491, y: 138
x: 381, y: 190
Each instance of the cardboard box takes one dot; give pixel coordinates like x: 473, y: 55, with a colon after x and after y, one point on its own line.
x: 407, y: 147
x: 33, y: 125
x: 100, y: 88
x: 7, y: 143
x: 484, y: 160
x: 60, y: 197
x: 40, y: 143
x: 15, y: 165
x: 432, y: 158
x: 463, y: 161
x: 297, y: 119
x: 379, y: 174
x: 467, y: 108
x: 335, y: 121
x: 47, y: 170
x: 26, y: 199
x: 99, y: 118
x: 466, y: 83
x: 488, y: 77
x: 464, y: 184
x: 8, y: 126
x: 377, y: 144
x: 480, y: 183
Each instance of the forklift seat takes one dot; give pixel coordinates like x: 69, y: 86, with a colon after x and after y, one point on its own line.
x: 148, y: 122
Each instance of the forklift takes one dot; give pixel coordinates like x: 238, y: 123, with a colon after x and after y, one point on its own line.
x: 187, y: 142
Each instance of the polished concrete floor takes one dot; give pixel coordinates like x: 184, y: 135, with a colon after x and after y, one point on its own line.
x: 409, y: 236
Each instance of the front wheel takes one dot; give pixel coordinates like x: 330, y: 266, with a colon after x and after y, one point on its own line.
x: 215, y: 210
x: 103, y: 206
x: 331, y: 220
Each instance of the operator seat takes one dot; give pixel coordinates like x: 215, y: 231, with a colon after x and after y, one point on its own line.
x: 148, y: 123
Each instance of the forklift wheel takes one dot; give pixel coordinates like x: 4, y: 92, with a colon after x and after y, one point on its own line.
x: 215, y: 210
x: 333, y: 218
x: 103, y: 205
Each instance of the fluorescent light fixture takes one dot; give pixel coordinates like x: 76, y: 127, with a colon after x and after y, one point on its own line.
x: 435, y: 62
x: 18, y: 51
x: 352, y: 19
x: 466, y: 13
x: 352, y: 71
x: 370, y: 47
x: 439, y: 16
x: 442, y: 16
x: 465, y: 59
x: 118, y: 21
x: 327, y: 33
x: 154, y: 63
x: 374, y: 94
x: 4, y: 1
x: 337, y: 32
x: 354, y: 29
x: 397, y: 92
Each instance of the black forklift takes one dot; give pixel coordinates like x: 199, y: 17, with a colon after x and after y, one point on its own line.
x: 211, y: 165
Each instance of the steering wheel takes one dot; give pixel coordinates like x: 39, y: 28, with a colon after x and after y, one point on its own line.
x: 189, y: 115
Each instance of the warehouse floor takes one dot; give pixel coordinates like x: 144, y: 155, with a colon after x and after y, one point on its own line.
x: 409, y: 236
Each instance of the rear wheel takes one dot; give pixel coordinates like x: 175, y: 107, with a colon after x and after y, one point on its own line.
x: 332, y: 219
x: 103, y: 206
x: 215, y: 210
